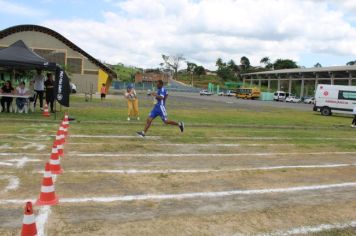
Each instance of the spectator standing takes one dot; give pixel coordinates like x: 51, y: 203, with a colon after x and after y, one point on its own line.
x: 39, y: 87
x: 353, y: 125
x: 103, y: 91
x: 49, y: 85
x: 132, y: 103
x: 6, y: 89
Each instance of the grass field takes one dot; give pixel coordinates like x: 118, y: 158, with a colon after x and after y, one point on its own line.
x: 233, y: 171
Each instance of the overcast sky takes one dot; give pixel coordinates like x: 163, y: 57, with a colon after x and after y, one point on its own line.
x: 137, y: 32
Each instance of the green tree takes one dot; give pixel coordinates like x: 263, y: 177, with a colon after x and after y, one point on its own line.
x: 219, y: 63
x: 267, y: 62
x: 318, y: 65
x: 224, y: 71
x: 199, y: 70
x: 235, y: 68
x: 245, y: 63
x: 191, y: 66
x: 172, y: 62
x: 190, y: 69
x: 280, y: 64
x: 351, y: 63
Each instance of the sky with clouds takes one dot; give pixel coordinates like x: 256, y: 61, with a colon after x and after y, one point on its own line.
x: 138, y: 32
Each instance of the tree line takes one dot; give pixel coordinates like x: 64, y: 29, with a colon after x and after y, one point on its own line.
x: 230, y: 70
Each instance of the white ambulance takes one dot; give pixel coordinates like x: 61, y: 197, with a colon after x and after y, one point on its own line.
x: 335, y: 98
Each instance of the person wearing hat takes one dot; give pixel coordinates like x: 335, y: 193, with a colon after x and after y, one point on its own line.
x: 132, y: 103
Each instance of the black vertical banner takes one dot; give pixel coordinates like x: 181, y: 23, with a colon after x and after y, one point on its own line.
x: 62, y: 88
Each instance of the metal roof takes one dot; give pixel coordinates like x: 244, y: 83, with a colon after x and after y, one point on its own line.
x: 331, y: 69
x: 37, y: 28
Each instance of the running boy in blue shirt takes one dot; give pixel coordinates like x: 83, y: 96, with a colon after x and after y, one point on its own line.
x: 160, y: 110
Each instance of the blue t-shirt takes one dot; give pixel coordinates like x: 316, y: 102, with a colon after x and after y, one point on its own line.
x: 162, y: 92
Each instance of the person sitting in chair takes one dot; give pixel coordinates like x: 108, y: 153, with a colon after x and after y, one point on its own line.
x: 6, y: 89
x: 21, y: 102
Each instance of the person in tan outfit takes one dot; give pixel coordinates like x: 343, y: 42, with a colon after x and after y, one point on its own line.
x: 132, y: 103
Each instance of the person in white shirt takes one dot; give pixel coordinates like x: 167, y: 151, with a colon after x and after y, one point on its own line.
x: 21, y: 90
x: 39, y: 79
x: 353, y: 125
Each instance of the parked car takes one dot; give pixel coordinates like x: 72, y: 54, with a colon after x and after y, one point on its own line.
x: 280, y: 96
x: 221, y: 94
x: 309, y: 100
x: 230, y: 93
x: 293, y: 99
x: 205, y: 92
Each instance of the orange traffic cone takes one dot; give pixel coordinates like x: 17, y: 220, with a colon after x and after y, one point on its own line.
x: 63, y: 133
x: 47, y: 195
x: 65, y: 128
x: 58, y: 142
x: 45, y: 112
x: 29, y: 222
x: 54, y: 162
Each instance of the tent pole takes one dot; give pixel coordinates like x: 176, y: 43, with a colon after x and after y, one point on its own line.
x: 55, y: 110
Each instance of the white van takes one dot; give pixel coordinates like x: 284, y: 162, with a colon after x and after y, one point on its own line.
x: 335, y: 98
x: 280, y: 96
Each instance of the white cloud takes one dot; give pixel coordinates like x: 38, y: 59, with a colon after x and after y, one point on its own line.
x: 10, y: 8
x: 137, y: 32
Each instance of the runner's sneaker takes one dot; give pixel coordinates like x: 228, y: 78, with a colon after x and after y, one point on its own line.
x: 141, y: 134
x: 181, y: 126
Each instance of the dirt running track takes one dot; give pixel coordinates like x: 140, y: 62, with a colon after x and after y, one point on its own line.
x: 188, y: 191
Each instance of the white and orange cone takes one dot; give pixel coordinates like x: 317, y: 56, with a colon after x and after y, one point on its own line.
x: 64, y: 128
x: 59, y: 141
x: 29, y: 221
x: 45, y: 111
x: 54, y: 162
x: 62, y: 133
x: 47, y: 195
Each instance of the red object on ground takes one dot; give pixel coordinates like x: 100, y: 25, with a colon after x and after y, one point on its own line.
x: 45, y: 112
x: 29, y: 222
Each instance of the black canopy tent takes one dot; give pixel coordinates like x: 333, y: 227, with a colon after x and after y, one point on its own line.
x: 19, y: 57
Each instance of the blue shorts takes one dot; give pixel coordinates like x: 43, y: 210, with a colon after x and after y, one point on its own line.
x: 159, y: 111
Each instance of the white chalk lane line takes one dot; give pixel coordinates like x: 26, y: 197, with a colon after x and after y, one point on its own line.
x: 167, y: 171
x: 202, y: 154
x: 180, y: 196
x: 43, y: 215
x: 13, y: 184
x: 201, y: 144
x: 197, y: 137
x: 310, y: 229
x: 78, y: 154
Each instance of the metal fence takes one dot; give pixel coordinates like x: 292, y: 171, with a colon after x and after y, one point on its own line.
x: 117, y: 85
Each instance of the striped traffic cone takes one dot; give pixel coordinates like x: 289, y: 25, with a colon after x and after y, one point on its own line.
x: 66, y: 120
x: 47, y: 195
x: 64, y: 128
x: 54, y: 162
x: 45, y: 111
x: 63, y: 133
x: 58, y: 142
x: 28, y: 222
